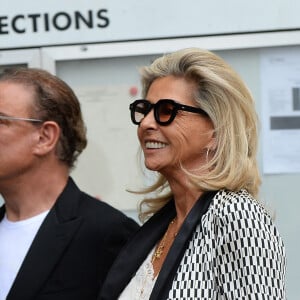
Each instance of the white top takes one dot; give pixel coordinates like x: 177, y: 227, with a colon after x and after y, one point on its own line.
x: 15, y: 240
x: 141, y: 285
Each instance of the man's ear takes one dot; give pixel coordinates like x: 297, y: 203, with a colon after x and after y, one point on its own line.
x: 48, y: 137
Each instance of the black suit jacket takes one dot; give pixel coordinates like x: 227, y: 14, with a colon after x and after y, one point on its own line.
x: 73, y: 249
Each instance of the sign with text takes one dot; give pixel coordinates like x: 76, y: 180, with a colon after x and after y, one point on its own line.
x: 44, y: 23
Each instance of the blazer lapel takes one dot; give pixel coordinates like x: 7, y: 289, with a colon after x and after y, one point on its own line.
x: 166, y: 275
x: 137, y: 249
x: 135, y: 252
x: 2, y: 212
x: 48, y: 246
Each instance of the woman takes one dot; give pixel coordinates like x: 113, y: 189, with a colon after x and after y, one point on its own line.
x: 207, y: 237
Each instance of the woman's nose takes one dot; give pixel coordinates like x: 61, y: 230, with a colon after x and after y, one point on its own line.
x: 149, y: 120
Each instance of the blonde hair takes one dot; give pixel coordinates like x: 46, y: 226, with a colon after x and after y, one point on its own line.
x: 229, y: 104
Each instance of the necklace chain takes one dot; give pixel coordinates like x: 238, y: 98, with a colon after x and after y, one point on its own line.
x: 161, y: 246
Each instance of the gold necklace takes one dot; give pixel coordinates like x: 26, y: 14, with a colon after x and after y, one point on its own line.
x: 161, y: 246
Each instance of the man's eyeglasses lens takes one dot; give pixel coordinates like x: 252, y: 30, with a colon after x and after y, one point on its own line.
x: 9, y: 118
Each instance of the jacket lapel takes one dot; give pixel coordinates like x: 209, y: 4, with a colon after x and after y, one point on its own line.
x: 48, y: 246
x: 167, y: 273
x: 135, y: 252
x: 2, y: 212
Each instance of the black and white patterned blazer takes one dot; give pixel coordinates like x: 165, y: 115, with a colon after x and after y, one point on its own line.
x: 227, y: 249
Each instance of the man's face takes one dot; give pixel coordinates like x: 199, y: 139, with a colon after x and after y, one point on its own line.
x: 17, y: 137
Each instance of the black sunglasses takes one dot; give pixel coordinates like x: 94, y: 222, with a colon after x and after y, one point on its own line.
x: 165, y: 110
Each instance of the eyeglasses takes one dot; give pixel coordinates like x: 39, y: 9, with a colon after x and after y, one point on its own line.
x: 20, y: 119
x: 165, y: 110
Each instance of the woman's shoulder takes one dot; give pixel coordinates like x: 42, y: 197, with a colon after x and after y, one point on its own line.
x: 237, y: 215
x: 230, y: 205
x: 238, y: 218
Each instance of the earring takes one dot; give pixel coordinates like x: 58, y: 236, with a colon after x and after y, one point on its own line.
x: 207, y: 153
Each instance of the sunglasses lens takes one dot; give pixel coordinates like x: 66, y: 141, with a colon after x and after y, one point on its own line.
x: 165, y: 111
x: 140, y: 110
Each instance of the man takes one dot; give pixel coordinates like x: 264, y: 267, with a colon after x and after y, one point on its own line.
x: 56, y: 241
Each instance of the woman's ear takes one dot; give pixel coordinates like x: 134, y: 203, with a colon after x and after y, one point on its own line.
x: 212, y: 145
x: 48, y: 137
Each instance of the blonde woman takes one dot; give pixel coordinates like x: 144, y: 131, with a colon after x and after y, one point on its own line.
x: 206, y: 235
